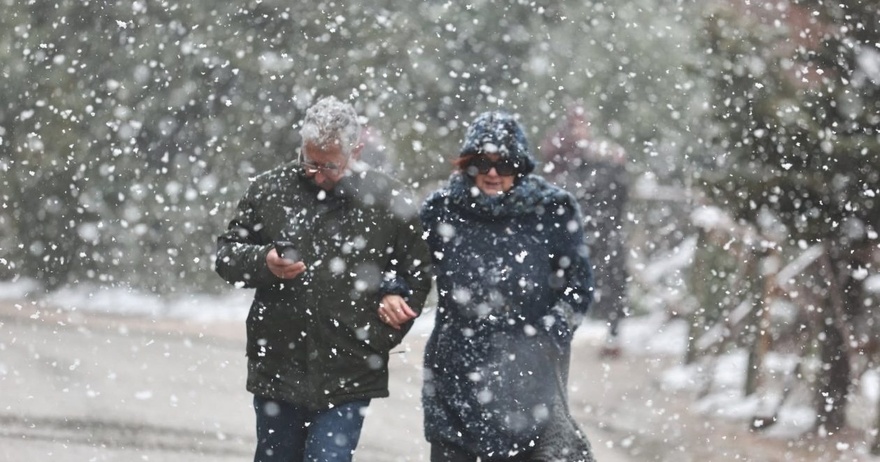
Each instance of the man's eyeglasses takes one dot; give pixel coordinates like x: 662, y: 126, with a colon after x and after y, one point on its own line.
x: 311, y: 168
x: 482, y: 164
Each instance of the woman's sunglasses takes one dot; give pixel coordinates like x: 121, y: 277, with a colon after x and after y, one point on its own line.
x: 482, y: 164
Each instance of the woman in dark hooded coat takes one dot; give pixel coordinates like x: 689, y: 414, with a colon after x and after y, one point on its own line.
x: 513, y: 280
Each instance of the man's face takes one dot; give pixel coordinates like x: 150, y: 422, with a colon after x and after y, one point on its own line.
x: 325, y: 165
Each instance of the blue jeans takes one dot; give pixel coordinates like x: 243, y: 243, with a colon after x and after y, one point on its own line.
x: 288, y: 433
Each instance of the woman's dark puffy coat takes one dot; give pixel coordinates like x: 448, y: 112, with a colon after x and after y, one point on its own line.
x: 513, y: 277
x: 316, y: 340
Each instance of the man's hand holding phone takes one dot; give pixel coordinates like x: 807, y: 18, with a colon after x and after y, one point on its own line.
x: 283, y: 260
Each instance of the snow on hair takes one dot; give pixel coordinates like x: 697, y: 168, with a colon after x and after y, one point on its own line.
x: 330, y: 120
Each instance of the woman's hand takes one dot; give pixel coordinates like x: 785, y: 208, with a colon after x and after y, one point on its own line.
x: 394, y: 311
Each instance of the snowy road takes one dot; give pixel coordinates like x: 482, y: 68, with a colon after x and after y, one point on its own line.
x: 106, y: 389
x: 91, y: 387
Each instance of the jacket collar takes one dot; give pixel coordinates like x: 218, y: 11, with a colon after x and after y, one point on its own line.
x: 528, y: 194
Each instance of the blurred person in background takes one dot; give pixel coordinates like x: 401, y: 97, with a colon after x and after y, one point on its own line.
x: 514, y: 281
x: 595, y: 172
x: 376, y: 152
x: 336, y: 255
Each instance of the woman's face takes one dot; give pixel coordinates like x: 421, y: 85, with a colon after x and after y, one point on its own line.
x: 487, y: 177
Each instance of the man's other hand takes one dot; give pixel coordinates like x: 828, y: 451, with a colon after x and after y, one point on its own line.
x: 284, y: 269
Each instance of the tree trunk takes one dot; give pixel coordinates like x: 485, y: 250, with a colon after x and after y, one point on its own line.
x: 875, y: 448
x: 834, y: 379
x: 832, y: 386
x: 698, y: 283
x: 761, y: 339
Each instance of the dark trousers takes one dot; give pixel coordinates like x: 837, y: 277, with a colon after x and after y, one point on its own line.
x: 447, y: 453
x: 441, y: 452
x: 288, y: 433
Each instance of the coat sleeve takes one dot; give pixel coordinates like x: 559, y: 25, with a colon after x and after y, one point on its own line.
x: 573, y: 279
x: 430, y: 216
x: 409, y: 274
x: 241, y: 255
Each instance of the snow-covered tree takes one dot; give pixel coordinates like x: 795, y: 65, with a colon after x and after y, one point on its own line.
x: 796, y: 104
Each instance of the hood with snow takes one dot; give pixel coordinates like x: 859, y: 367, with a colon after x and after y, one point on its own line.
x: 498, y: 132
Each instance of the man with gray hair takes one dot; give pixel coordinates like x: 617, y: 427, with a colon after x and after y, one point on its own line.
x: 336, y: 255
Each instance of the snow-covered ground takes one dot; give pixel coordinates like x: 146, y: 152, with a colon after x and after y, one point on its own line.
x: 714, y: 386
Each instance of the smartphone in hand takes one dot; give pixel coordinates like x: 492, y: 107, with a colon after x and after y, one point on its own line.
x: 286, y: 250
